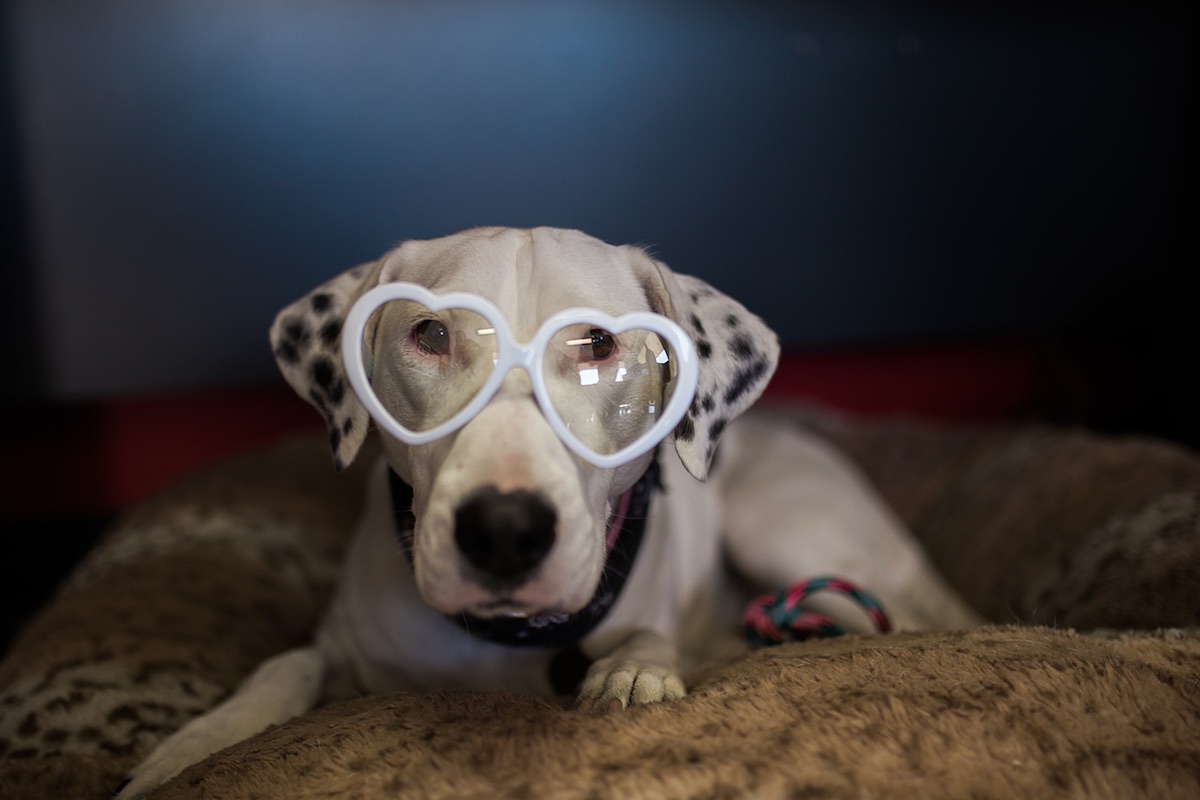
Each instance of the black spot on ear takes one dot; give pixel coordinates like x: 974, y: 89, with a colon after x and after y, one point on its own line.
x: 347, y: 426
x: 321, y: 302
x: 743, y: 348
x: 286, y: 352
x: 335, y: 438
x: 294, y: 340
x: 685, y: 431
x: 703, y: 348
x: 732, y: 321
x: 296, y: 331
x: 337, y: 392
x: 716, y: 428
x: 697, y: 325
x: 707, y: 403
x: 322, y: 373
x: 744, y: 380
x: 318, y: 401
x: 330, y: 332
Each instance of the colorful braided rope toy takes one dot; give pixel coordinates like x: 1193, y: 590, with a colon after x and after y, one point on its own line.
x: 777, y: 618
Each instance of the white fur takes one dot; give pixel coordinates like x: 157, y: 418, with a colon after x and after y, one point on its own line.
x: 783, y: 506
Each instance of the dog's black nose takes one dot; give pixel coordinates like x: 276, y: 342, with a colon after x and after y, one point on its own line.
x: 504, y: 535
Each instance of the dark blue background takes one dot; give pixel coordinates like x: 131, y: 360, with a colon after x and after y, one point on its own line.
x: 855, y: 172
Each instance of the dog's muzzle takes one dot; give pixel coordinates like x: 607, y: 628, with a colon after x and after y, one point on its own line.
x: 623, y: 540
x: 504, y: 536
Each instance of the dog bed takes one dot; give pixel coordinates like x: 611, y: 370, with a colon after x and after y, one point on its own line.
x: 1046, y: 532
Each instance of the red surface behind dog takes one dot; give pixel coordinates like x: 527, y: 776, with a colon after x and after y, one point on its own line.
x: 103, y: 457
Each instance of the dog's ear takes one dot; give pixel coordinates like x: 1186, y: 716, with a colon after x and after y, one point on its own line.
x: 307, y: 340
x: 737, y: 352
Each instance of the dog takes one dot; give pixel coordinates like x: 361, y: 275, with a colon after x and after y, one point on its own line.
x: 543, y: 518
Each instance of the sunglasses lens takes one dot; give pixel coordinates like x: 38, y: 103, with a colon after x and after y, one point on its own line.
x: 609, y: 389
x: 427, y: 365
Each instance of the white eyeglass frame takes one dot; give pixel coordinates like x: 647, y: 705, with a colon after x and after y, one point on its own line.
x: 529, y: 357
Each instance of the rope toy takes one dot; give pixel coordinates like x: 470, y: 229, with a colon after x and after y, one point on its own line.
x: 777, y: 618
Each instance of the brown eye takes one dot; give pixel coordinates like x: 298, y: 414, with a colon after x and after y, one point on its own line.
x: 601, y: 344
x: 431, y: 337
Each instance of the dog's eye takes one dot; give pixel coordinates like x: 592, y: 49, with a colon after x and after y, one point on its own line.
x: 431, y: 337
x: 600, y: 346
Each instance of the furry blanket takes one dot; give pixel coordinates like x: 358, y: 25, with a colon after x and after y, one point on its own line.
x: 193, y: 589
x: 1000, y: 712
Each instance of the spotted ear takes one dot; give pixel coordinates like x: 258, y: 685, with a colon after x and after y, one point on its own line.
x: 737, y: 352
x: 306, y: 338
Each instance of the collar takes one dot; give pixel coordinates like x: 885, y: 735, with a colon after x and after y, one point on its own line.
x: 624, y: 537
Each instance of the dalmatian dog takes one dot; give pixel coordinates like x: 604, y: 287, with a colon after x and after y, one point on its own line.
x: 549, y: 407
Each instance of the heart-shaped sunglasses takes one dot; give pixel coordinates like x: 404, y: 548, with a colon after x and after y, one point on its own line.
x: 611, y: 387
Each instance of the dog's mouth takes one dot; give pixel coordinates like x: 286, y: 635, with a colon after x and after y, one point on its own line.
x: 509, y: 607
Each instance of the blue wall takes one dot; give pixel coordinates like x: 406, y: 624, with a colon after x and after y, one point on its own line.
x: 855, y: 172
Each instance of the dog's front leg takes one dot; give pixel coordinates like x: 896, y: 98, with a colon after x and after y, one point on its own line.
x: 644, y: 668
x: 281, y: 688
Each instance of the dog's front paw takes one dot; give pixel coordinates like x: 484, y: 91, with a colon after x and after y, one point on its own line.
x: 642, y: 670
x: 617, y: 685
x: 168, y: 760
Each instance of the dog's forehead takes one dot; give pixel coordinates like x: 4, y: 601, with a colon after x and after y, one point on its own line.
x: 528, y: 274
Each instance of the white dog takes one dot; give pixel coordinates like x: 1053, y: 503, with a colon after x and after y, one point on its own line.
x: 524, y: 531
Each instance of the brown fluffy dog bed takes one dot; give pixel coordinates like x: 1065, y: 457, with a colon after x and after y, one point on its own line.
x: 1034, y: 527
